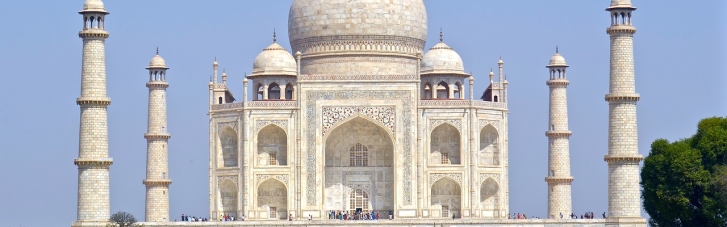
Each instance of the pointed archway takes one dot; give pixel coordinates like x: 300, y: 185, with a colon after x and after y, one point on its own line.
x: 359, y: 155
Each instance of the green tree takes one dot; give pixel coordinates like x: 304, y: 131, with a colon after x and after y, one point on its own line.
x: 684, y: 183
x: 122, y: 219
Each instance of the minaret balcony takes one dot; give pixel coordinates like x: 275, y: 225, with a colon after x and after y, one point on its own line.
x: 563, y: 133
x: 93, y: 162
x: 157, y: 136
x: 623, y: 158
x: 557, y: 180
x: 557, y: 82
x: 459, y: 103
x: 93, y: 33
x: 622, y: 97
x: 621, y: 28
x: 157, y: 182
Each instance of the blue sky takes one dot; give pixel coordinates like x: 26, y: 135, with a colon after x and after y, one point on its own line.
x: 680, y: 69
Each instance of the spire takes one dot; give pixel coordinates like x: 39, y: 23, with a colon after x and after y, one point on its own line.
x: 556, y: 49
x: 157, y: 50
x: 275, y: 39
x: 441, y: 35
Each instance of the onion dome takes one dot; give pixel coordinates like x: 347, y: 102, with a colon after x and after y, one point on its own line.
x: 557, y: 60
x: 93, y: 6
x: 274, y: 60
x: 622, y: 4
x: 442, y: 59
x: 319, y: 18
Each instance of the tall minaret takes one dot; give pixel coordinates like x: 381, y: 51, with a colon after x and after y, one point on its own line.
x: 157, y: 176
x: 93, y: 150
x: 624, y: 201
x: 559, y: 178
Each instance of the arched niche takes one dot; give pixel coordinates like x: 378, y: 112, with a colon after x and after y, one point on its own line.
x: 447, y: 193
x: 272, y: 146
x: 359, y: 154
x: 489, y: 194
x: 489, y: 146
x: 273, y: 195
x: 228, y: 197
x: 228, y: 143
x: 445, y: 145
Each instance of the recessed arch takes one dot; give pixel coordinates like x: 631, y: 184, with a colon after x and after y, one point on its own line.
x: 489, y: 152
x: 272, y: 146
x: 427, y: 91
x: 458, y: 90
x: 273, y: 196
x: 447, y: 193
x: 359, y: 154
x: 489, y: 194
x: 259, y: 92
x: 289, y: 91
x: 228, y: 147
x: 228, y: 197
x: 273, y: 91
x: 442, y: 90
x: 444, y: 146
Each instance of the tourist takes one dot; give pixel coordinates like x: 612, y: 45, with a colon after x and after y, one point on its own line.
x: 391, y: 215
x: 290, y: 217
x: 310, y: 217
x: 604, y: 215
x: 561, y: 215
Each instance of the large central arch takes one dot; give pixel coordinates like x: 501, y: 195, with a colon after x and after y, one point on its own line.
x: 359, y: 158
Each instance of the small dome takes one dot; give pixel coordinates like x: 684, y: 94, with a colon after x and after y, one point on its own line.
x: 274, y: 60
x: 557, y: 60
x: 93, y: 5
x: 442, y: 59
x: 620, y: 4
x: 157, y: 62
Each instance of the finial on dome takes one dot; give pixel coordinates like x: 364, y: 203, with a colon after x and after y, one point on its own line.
x: 275, y: 39
x: 441, y: 35
x: 157, y: 50
x: 556, y: 49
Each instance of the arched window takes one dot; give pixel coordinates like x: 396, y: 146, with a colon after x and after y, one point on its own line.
x: 427, y: 91
x: 289, y: 92
x: 219, y: 100
x: 442, y: 90
x: 445, y: 145
x: 457, y: 90
x: 495, y: 99
x: 359, y: 155
x: 260, y: 92
x: 274, y: 91
x: 359, y: 201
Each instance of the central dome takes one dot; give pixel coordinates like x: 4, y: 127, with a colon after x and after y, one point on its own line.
x: 311, y: 20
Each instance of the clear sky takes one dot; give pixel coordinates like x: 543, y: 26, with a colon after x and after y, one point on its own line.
x: 680, y: 69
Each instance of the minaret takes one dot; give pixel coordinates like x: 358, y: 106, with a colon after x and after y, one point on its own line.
x: 624, y: 202
x: 559, y: 178
x: 157, y: 171
x: 93, y: 150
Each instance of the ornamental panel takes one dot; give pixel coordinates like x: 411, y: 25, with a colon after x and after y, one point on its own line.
x: 385, y: 115
x: 434, y: 177
x: 311, y: 112
x: 260, y: 124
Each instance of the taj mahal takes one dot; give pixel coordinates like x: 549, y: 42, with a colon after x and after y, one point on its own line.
x: 359, y: 117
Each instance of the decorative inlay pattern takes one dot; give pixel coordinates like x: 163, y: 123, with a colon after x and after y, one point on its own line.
x: 386, y: 115
x: 221, y: 179
x: 484, y: 176
x: 460, y: 103
x: 376, y: 43
x: 275, y: 103
x: 358, y: 77
x: 260, y: 178
x: 222, y: 125
x: 260, y: 124
x: 434, y: 177
x: 433, y: 123
x: 484, y: 123
x: 313, y: 96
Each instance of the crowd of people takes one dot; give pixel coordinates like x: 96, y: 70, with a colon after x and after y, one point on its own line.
x: 225, y: 217
x: 360, y: 215
x: 587, y: 215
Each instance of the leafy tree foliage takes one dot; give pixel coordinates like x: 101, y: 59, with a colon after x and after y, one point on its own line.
x: 684, y: 183
x: 122, y: 219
